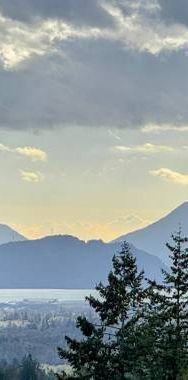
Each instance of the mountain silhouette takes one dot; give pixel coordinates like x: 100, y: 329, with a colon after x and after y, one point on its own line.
x: 153, y: 237
x: 64, y: 262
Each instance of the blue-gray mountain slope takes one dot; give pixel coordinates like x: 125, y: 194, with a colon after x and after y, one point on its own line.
x: 7, y: 234
x: 153, y: 237
x: 63, y: 262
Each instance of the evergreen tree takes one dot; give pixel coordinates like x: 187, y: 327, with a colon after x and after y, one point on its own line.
x: 112, y: 349
x: 29, y: 369
x: 168, y: 312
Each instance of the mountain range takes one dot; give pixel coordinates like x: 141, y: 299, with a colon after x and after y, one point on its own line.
x: 67, y: 262
x: 64, y: 262
x: 7, y: 234
x: 153, y: 238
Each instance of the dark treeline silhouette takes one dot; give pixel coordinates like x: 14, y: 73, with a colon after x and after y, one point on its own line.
x: 28, y: 369
x: 143, y: 326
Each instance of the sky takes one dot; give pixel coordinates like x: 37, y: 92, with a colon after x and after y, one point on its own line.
x: 93, y: 114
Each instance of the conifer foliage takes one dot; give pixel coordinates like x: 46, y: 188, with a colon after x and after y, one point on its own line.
x: 170, y: 301
x: 142, y: 327
x: 106, y: 352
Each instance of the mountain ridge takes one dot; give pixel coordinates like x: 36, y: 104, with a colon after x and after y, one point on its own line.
x: 8, y: 234
x: 153, y: 237
x: 64, y: 262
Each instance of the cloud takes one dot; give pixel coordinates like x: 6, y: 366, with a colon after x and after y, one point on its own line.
x: 4, y: 148
x: 145, y: 148
x: 20, y: 42
x: 140, y: 27
x: 171, y: 176
x: 129, y: 221
x: 55, y: 93
x: 29, y: 176
x: 79, y: 12
x: 174, y: 12
x: 34, y: 153
x: 114, y: 134
x: 154, y: 128
x: 130, y: 80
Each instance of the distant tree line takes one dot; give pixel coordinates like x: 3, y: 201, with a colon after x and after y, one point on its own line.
x: 38, y: 328
x: 28, y: 369
x: 143, y: 326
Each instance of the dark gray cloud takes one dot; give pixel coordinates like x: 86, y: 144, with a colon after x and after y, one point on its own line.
x: 170, y: 11
x: 92, y: 12
x: 99, y: 84
x: 131, y: 76
x: 82, y: 12
x: 174, y: 11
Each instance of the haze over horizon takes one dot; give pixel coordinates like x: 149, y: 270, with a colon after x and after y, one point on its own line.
x: 93, y: 115
x: 179, y: 213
